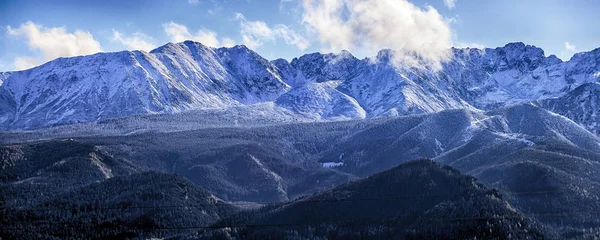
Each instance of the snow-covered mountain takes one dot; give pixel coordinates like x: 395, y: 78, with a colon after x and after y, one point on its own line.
x: 473, y: 78
x: 172, y: 78
x: 189, y: 75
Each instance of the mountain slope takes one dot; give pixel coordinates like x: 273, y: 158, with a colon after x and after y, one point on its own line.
x: 544, y: 163
x: 453, y: 133
x: 582, y: 105
x: 321, y: 101
x: 418, y: 199
x: 34, y: 172
x: 3, y: 76
x: 172, y: 78
x: 122, y: 207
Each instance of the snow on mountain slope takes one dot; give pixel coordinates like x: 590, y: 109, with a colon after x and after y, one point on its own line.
x: 189, y: 75
x: 534, y: 121
x: 3, y: 75
x: 172, y: 78
x: 318, y: 67
x: 582, y: 67
x: 582, y: 105
x: 473, y: 78
x: 511, y: 74
x: 321, y: 101
x: 378, y: 85
x: 454, y: 134
x: 384, y: 89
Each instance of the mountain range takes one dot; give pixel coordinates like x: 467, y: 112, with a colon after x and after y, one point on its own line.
x: 180, y: 77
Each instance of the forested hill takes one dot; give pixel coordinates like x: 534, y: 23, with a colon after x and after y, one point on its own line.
x: 416, y: 200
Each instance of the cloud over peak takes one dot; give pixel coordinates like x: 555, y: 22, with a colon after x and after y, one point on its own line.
x: 361, y: 25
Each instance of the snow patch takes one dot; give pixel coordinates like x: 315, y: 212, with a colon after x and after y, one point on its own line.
x: 515, y: 136
x: 439, y: 145
x: 61, y: 162
x: 105, y: 170
x: 332, y: 164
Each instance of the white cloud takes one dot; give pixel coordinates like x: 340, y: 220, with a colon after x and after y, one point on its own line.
x: 326, y: 19
x: 52, y: 43
x: 450, y: 3
x: 22, y: 63
x: 570, y: 47
x: 213, y: 6
x: 255, y: 33
x: 177, y: 32
x: 227, y: 42
x: 180, y: 33
x: 360, y: 25
x: 289, y: 7
x: 206, y: 37
x: 291, y: 37
x: 138, y: 41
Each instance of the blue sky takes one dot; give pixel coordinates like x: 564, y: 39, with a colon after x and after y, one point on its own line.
x: 33, y: 32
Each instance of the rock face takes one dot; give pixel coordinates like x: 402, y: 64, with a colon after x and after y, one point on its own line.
x: 189, y: 75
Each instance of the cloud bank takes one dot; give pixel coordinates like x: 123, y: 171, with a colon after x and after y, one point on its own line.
x: 52, y: 43
x: 417, y: 35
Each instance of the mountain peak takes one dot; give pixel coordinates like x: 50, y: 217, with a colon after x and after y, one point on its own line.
x: 519, y: 49
x: 280, y: 61
x: 553, y: 59
x: 345, y: 54
x: 241, y: 47
x: 163, y: 48
x: 515, y: 45
x: 194, y: 44
x: 384, y: 55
